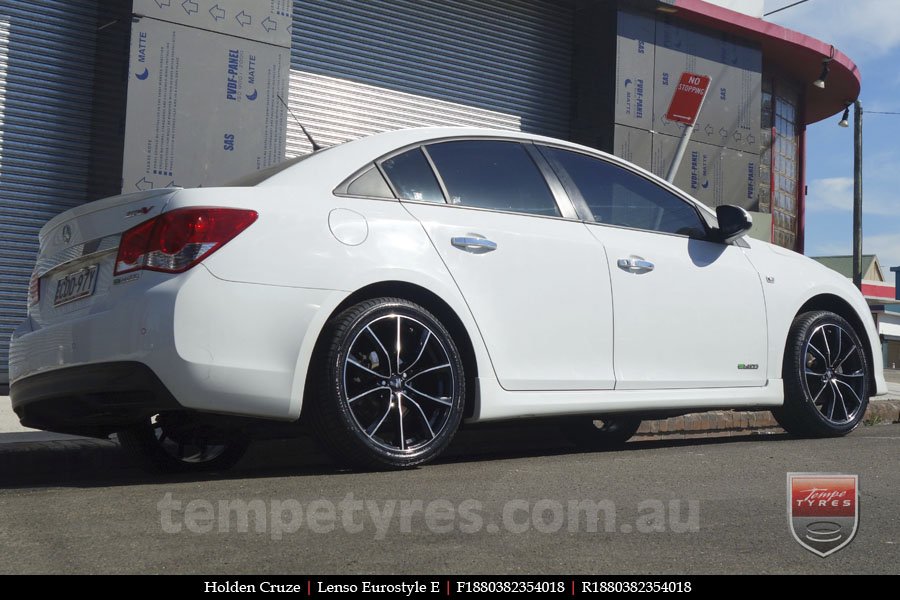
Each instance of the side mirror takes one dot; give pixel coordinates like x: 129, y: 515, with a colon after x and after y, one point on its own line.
x: 734, y: 222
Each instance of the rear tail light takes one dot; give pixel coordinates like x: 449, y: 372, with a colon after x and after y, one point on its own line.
x: 34, y: 289
x: 176, y: 241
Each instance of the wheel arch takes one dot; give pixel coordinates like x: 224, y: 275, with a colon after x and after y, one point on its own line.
x: 842, y: 308
x: 428, y: 300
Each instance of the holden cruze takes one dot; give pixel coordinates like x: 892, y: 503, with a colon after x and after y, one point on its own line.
x: 384, y: 290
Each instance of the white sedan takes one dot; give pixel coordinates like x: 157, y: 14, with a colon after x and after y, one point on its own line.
x: 385, y: 290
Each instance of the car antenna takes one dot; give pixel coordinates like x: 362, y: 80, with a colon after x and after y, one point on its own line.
x: 312, y: 142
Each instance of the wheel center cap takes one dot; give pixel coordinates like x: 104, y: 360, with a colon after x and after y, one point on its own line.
x: 396, y: 383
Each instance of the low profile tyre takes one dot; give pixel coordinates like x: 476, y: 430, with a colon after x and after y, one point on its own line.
x: 602, y: 433
x: 161, y: 445
x: 826, y: 382
x: 391, y: 388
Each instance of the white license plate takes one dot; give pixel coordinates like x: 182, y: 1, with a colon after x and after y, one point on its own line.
x: 75, y: 286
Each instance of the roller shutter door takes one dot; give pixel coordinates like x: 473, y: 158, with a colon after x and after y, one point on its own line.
x: 46, y: 81
x: 363, y: 66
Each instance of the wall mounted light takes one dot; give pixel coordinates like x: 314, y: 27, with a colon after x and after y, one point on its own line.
x: 826, y: 69
x: 820, y: 82
x: 845, y: 118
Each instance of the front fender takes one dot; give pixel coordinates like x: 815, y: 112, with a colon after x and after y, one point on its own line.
x: 792, y: 282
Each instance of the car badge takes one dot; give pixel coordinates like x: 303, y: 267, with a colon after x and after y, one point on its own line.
x: 139, y: 211
x: 823, y: 510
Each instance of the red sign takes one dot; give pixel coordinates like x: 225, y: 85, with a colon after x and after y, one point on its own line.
x: 687, y: 98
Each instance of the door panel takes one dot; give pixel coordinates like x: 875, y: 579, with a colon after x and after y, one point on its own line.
x: 688, y: 313
x: 539, y: 290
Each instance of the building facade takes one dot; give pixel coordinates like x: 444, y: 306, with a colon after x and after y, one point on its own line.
x: 98, y: 100
x: 882, y: 296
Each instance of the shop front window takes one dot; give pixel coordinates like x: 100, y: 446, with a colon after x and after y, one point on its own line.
x: 785, y: 161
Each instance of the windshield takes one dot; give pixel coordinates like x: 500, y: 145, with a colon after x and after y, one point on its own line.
x: 258, y: 177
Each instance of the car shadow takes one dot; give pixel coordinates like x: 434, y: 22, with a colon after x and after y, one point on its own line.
x: 101, y: 463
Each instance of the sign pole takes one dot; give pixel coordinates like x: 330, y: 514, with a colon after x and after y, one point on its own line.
x: 682, y: 148
x: 686, y: 105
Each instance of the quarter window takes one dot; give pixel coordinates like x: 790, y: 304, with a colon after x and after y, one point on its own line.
x: 616, y: 196
x: 494, y: 175
x: 412, y: 177
x: 370, y: 184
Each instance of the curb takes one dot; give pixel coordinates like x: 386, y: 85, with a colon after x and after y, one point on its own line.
x: 882, y: 411
x: 733, y: 422
x: 56, y: 461
x: 66, y: 458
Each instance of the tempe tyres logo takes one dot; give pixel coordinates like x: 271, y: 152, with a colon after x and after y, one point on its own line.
x: 823, y: 510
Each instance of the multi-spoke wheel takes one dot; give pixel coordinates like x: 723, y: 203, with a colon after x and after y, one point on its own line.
x: 826, y: 379
x: 392, y: 386
x: 603, y: 432
x: 171, y: 444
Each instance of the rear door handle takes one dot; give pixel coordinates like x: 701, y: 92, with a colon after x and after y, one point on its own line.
x: 474, y: 244
x: 634, y: 264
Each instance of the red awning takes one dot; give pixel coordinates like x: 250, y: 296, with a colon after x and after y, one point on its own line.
x: 797, y: 55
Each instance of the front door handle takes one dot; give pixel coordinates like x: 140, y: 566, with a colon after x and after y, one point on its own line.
x: 471, y: 243
x: 635, y: 264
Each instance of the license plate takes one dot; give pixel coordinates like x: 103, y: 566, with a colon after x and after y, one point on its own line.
x: 75, y: 286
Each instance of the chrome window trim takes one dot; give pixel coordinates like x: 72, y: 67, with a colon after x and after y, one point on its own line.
x: 437, y: 175
x: 563, y: 201
x: 493, y: 210
x: 705, y: 214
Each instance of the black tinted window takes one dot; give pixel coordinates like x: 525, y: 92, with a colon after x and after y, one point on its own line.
x: 412, y: 177
x: 617, y: 196
x: 496, y: 175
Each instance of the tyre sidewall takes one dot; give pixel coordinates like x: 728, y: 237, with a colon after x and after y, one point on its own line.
x: 799, y: 409
x: 349, y: 325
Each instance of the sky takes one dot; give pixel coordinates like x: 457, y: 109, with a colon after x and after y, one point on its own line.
x: 868, y: 31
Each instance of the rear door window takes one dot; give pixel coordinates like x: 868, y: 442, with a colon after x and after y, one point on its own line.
x: 496, y: 175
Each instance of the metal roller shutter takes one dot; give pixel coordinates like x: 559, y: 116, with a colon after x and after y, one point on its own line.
x: 46, y: 80
x: 363, y: 66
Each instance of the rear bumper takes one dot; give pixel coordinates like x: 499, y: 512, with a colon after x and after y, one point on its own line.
x: 217, y: 346
x: 93, y: 400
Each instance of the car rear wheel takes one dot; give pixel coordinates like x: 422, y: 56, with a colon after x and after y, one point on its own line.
x: 391, y: 390
x: 826, y: 381
x: 164, y: 444
x: 601, y: 433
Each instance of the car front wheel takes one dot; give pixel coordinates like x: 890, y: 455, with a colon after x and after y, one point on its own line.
x: 391, y: 390
x: 826, y: 381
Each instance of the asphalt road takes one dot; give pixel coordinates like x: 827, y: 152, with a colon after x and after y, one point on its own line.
x: 491, y: 508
